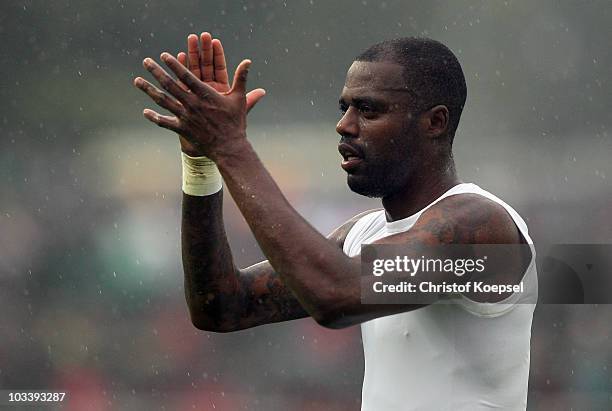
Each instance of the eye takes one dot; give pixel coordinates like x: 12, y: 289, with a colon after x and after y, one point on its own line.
x: 343, y: 108
x: 368, y: 111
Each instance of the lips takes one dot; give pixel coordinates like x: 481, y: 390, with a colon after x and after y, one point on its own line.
x: 352, y: 156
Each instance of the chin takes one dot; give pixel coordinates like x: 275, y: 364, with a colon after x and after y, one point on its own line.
x: 366, y: 187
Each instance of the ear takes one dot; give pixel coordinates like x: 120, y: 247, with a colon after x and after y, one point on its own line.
x: 435, y: 121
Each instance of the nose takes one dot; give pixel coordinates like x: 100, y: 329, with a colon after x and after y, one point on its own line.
x: 348, y: 125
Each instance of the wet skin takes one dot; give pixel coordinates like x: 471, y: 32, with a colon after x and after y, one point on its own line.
x: 379, y: 141
x: 307, y: 274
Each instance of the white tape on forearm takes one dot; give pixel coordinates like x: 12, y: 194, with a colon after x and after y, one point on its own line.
x: 201, y: 176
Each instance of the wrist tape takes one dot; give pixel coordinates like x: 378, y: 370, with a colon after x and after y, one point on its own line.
x: 201, y: 176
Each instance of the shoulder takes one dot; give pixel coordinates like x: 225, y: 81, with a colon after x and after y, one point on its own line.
x: 468, y: 218
x: 339, y: 234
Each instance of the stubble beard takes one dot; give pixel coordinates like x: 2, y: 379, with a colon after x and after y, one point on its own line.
x: 380, y: 179
x: 384, y: 177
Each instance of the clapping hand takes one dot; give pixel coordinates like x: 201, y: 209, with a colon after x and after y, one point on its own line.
x: 208, y: 113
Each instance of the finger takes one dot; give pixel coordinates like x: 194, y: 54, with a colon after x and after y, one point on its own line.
x: 206, y: 57
x: 158, y: 96
x: 196, y: 86
x: 167, y: 82
x: 169, y: 122
x: 182, y: 58
x: 220, y: 66
x: 194, y: 55
x: 253, y: 97
x: 240, y: 77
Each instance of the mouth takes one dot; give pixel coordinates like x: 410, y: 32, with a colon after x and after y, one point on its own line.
x: 352, y: 156
x: 350, y: 163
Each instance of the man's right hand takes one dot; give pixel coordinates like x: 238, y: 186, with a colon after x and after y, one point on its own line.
x: 206, y: 60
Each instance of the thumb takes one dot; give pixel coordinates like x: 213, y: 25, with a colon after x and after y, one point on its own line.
x: 253, y: 98
x: 240, y: 77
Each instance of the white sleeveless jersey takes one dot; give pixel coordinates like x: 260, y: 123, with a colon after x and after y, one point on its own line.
x: 463, y: 356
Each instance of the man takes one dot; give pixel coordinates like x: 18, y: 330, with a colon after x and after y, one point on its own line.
x: 400, y: 105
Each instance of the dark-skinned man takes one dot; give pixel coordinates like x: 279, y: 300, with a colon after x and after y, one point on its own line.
x: 400, y: 105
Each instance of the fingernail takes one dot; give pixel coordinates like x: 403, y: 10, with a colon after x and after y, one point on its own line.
x: 150, y: 113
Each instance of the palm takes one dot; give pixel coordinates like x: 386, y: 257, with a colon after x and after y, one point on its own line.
x: 220, y: 87
x: 206, y: 60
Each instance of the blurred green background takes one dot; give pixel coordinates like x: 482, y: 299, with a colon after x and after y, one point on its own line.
x: 90, y: 273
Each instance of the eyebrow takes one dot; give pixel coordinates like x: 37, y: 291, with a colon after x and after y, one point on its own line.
x: 363, y: 100
x: 400, y: 90
x: 392, y: 90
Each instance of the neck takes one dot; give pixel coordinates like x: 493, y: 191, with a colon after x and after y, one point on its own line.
x: 420, y: 191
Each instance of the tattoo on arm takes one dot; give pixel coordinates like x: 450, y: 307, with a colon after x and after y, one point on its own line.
x: 265, y: 298
x: 220, y: 296
x: 463, y: 219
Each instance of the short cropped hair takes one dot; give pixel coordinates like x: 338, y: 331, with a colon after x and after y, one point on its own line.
x: 432, y: 73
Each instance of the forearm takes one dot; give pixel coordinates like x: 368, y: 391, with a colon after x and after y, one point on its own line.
x: 317, y: 271
x: 211, y: 281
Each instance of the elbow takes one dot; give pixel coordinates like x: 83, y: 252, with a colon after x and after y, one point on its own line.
x: 211, y: 313
x: 202, y: 323
x: 335, y: 309
x: 206, y: 324
x: 209, y: 320
x: 332, y: 318
x: 330, y: 323
x: 200, y: 318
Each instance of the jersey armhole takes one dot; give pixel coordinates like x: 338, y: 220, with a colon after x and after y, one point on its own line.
x: 357, y: 224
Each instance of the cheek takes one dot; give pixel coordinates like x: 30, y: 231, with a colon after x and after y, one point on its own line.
x: 387, y: 137
x: 384, y: 154
x: 387, y: 142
